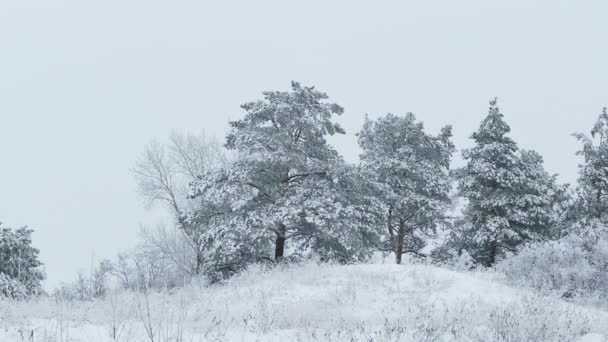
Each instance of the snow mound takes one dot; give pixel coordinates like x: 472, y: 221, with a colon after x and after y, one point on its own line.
x: 310, y: 302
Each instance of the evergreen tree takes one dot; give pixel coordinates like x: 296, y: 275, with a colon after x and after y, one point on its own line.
x: 233, y: 236
x: 511, y: 199
x: 412, y: 168
x: 285, y: 183
x: 592, y: 188
x: 20, y: 269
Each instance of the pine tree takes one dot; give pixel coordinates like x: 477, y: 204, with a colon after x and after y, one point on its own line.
x: 413, y: 170
x: 284, y: 184
x: 20, y: 268
x: 593, y: 172
x: 511, y: 199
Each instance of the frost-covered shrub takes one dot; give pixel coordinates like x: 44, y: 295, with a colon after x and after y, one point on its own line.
x: 462, y: 261
x: 87, y: 287
x: 576, y: 264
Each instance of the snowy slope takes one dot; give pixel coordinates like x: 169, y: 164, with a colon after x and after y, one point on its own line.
x: 369, y: 302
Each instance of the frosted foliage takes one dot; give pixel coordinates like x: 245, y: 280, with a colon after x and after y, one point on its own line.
x: 593, y: 172
x: 511, y: 199
x: 12, y: 288
x: 460, y: 262
x: 411, y: 168
x: 288, y: 183
x: 573, y: 266
x: 20, y: 268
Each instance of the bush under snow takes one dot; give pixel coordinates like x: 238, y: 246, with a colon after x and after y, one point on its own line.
x: 574, y: 266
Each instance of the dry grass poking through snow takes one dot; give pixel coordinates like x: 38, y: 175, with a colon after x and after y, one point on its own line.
x: 369, y: 302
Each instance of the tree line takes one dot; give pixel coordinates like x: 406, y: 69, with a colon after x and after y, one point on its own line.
x: 277, y: 191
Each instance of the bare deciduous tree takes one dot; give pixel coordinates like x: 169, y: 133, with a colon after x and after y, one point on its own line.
x: 163, y: 173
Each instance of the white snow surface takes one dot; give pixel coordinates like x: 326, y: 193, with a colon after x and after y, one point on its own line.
x: 315, y: 302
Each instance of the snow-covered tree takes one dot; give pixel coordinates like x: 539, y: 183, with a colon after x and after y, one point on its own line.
x: 511, y: 199
x: 21, y: 272
x: 349, y: 216
x: 337, y: 220
x: 164, y: 173
x: 285, y: 184
x: 231, y: 241
x: 593, y: 172
x: 413, y: 170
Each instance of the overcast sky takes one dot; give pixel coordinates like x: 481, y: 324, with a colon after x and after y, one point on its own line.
x: 85, y: 84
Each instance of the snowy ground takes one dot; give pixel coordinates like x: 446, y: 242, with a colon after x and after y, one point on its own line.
x: 370, y: 302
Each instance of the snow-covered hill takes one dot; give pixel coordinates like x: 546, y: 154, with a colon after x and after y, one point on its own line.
x: 368, y: 302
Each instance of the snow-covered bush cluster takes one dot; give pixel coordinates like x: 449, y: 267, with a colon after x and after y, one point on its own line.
x: 156, y: 262
x: 575, y: 265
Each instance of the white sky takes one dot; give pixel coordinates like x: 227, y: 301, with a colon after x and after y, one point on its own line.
x: 85, y: 84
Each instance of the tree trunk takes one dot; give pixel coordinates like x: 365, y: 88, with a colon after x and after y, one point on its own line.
x: 493, y: 252
x: 389, y: 221
x: 200, y: 259
x: 400, y: 238
x: 597, y: 204
x: 279, y: 248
